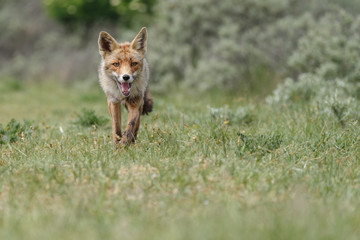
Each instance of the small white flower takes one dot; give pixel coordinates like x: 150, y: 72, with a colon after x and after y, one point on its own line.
x: 61, y: 130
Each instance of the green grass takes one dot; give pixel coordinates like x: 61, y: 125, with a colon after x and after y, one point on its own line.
x: 194, y: 173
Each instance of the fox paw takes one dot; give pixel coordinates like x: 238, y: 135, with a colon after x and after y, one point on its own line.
x: 127, y: 138
x: 124, y: 142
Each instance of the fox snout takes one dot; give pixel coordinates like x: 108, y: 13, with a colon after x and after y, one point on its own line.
x: 125, y: 77
x: 122, y: 78
x: 124, y: 82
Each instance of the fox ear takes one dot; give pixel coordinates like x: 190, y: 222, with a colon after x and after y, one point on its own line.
x: 106, y: 43
x: 139, y: 42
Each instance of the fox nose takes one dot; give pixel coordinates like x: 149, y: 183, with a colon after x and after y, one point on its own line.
x: 125, y: 77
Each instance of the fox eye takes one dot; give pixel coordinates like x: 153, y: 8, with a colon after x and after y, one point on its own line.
x: 115, y: 64
x: 133, y: 64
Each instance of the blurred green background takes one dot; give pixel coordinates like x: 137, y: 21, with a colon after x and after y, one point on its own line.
x: 241, y: 46
x: 254, y: 135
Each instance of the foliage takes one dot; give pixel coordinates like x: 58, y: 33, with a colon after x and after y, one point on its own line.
x: 240, y: 115
x: 88, y: 118
x: 327, y: 64
x: 54, y: 53
x: 209, y: 53
x: 302, y: 90
x: 343, y: 107
x: 330, y: 48
x: 336, y: 99
x: 261, y: 143
x: 87, y: 11
x: 232, y: 44
x: 15, y: 131
x: 196, y: 45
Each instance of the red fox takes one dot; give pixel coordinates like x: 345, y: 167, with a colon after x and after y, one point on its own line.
x: 124, y: 77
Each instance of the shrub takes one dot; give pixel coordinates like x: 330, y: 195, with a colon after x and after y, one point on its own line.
x: 338, y: 102
x: 15, y: 130
x: 258, y: 144
x: 241, y: 115
x: 54, y: 55
x: 335, y: 99
x: 304, y: 89
x: 199, y: 42
x: 204, y: 44
x: 330, y: 48
x: 326, y: 63
x: 87, y: 12
x: 88, y: 118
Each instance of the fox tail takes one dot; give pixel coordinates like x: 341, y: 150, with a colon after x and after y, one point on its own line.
x: 148, y: 103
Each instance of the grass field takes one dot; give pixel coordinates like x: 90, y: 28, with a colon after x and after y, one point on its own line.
x: 199, y: 170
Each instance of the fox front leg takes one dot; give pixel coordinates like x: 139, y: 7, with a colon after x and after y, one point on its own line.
x: 133, y: 122
x: 115, y: 114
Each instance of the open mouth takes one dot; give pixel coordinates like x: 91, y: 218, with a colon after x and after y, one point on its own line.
x: 124, y: 88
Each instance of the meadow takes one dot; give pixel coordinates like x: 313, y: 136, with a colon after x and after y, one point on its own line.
x: 207, y: 166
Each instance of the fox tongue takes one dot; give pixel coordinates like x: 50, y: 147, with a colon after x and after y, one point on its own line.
x: 125, y: 87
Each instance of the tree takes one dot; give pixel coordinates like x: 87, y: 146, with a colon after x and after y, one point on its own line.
x: 86, y: 12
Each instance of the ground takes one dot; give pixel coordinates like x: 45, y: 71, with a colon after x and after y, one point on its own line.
x: 205, y: 166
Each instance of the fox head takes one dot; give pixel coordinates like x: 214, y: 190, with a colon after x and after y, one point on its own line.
x: 123, y: 62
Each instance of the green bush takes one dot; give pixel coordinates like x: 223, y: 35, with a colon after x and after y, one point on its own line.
x: 302, y: 90
x: 199, y: 44
x: 47, y: 59
x: 88, y: 11
x: 261, y: 144
x: 326, y: 66
x: 330, y: 48
x: 240, y: 115
x: 15, y: 131
x: 203, y: 44
x: 335, y: 99
x: 88, y: 118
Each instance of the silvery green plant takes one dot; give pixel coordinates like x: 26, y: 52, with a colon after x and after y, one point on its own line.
x: 331, y: 48
x: 224, y: 45
x: 338, y: 103
x: 240, y: 115
x: 334, y: 99
x: 304, y: 89
x: 326, y: 67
